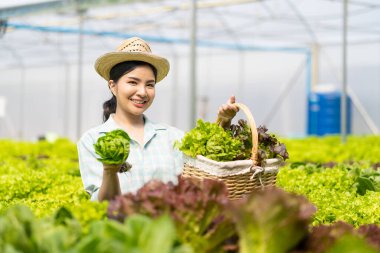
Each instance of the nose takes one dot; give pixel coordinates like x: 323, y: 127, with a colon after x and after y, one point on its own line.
x: 141, y: 90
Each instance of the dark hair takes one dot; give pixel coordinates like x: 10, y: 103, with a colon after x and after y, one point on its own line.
x: 116, y: 73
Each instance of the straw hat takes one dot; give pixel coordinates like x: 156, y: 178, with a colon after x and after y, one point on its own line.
x: 132, y: 49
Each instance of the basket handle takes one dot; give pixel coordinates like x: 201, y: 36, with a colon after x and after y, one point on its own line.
x: 252, y: 125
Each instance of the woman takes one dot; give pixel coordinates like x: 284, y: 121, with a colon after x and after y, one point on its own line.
x: 132, y: 73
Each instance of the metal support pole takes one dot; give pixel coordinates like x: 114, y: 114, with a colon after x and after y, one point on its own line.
x: 175, y: 90
x: 193, y: 59
x: 21, y: 133
x: 66, y: 104
x: 3, y: 27
x: 66, y: 88
x: 315, y: 65
x: 241, y: 74
x: 21, y: 111
x: 343, y: 104
x: 80, y: 70
x: 309, y: 70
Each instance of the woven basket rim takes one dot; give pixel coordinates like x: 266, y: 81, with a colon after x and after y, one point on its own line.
x: 231, y: 168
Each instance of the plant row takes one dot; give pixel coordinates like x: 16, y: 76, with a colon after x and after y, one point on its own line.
x: 191, y: 216
x: 349, y: 193
x: 330, y: 149
x: 45, y: 176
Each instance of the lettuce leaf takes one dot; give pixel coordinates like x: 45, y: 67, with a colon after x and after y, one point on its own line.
x: 210, y: 140
x: 113, y: 147
x: 271, y: 221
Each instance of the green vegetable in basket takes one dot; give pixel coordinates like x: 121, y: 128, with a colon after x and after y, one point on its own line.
x: 113, y: 147
x: 210, y: 140
x: 230, y: 144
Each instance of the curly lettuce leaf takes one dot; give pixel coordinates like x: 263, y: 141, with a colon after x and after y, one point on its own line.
x: 113, y: 147
x: 210, y: 140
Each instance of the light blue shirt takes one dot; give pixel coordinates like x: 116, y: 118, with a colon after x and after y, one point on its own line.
x: 156, y: 159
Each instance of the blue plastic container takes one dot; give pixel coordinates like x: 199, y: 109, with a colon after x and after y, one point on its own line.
x: 324, y: 113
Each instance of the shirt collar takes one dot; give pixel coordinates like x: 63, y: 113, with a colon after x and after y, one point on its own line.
x: 109, y: 125
x: 150, y: 128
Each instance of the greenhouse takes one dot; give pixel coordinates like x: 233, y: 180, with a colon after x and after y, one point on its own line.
x: 263, y: 135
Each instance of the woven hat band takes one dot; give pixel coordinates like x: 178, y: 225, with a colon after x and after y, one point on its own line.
x: 134, y: 45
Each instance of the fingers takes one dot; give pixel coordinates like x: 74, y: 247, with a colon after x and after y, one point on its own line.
x: 235, y: 108
x: 221, y: 113
x: 231, y: 100
x: 230, y: 107
x: 229, y: 110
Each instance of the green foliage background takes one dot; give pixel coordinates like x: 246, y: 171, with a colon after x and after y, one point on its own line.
x: 326, y: 172
x: 333, y: 192
x: 330, y: 149
x: 45, y: 176
x: 340, y: 180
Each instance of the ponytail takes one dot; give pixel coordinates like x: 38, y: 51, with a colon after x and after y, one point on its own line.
x: 109, y: 107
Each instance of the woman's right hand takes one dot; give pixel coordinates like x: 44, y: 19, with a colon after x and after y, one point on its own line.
x: 227, y: 112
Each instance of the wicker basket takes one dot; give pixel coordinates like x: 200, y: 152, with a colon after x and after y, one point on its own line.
x: 241, y: 177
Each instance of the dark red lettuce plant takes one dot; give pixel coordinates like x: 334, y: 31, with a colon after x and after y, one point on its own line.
x: 269, y: 145
x: 323, y: 238
x: 270, y: 221
x: 195, y: 206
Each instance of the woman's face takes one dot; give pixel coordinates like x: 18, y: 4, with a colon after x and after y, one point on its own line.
x: 135, y: 90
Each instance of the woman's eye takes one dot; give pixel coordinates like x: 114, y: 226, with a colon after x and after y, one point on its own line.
x: 151, y: 85
x: 132, y: 82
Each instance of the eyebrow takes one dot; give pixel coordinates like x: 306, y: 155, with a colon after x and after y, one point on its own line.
x: 139, y: 80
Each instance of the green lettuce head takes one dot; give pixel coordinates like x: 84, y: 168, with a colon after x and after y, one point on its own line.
x: 113, y: 147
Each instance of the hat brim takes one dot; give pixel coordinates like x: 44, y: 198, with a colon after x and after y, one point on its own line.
x: 104, y: 64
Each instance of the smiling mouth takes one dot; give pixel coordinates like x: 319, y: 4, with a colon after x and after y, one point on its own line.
x: 141, y: 102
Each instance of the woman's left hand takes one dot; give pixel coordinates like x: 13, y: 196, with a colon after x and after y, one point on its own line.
x: 227, y: 112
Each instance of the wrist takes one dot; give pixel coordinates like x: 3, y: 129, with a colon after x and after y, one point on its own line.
x: 109, y: 175
x: 224, y: 123
x: 225, y: 120
x: 111, y: 168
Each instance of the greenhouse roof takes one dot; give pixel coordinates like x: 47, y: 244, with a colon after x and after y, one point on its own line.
x: 46, y: 32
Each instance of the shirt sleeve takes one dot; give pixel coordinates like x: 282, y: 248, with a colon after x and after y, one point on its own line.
x: 91, y: 169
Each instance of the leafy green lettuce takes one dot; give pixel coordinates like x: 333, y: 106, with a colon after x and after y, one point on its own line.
x: 113, y: 147
x: 21, y: 231
x: 337, y: 191
x: 366, y: 180
x: 271, y: 221
x: 139, y: 234
x: 210, y: 140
